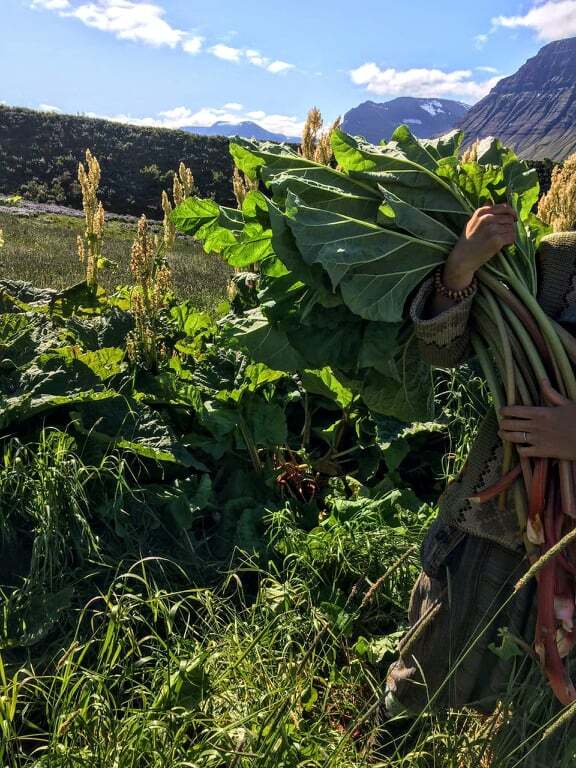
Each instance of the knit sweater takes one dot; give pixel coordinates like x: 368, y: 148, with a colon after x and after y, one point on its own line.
x: 444, y: 342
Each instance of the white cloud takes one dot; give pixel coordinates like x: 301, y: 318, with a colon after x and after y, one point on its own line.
x: 51, y: 5
x: 193, y: 44
x: 129, y: 20
x: 550, y: 20
x: 421, y: 82
x: 126, y: 19
x: 233, y: 105
x: 183, y: 117
x: 252, y: 56
x: 226, y: 52
x: 144, y: 21
x: 490, y: 70
x: 48, y: 108
x: 256, y: 58
x: 279, y: 66
x: 480, y: 41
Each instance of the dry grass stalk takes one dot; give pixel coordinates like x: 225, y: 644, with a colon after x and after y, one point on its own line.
x: 90, y: 246
x: 317, y: 144
x: 323, y: 153
x: 168, y: 224
x: 470, y: 155
x: 242, y: 186
x: 183, y: 184
x: 311, y: 132
x: 558, y: 206
x: 182, y: 188
x: 153, y: 282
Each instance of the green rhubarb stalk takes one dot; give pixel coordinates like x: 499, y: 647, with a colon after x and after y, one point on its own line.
x: 509, y: 377
x: 551, y: 336
x: 489, y: 371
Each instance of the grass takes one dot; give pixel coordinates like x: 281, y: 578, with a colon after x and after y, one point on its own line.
x: 42, y: 250
x: 279, y: 662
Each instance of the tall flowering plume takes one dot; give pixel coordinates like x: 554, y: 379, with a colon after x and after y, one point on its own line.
x: 182, y: 188
x: 242, y: 186
x: 558, y: 206
x: 168, y: 224
x: 152, y: 286
x: 183, y: 184
x: 90, y: 245
x: 470, y: 154
x: 316, y: 144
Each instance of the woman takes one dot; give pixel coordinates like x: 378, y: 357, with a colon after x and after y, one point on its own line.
x: 473, y: 556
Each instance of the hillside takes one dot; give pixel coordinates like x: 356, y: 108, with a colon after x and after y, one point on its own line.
x: 425, y: 117
x: 39, y: 155
x: 534, y: 110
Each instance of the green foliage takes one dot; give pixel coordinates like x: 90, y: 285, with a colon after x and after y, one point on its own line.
x: 341, y: 252
x: 209, y: 564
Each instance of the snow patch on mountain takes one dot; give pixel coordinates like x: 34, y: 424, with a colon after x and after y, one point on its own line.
x: 433, y: 108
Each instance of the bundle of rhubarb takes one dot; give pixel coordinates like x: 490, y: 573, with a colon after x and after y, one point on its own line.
x: 340, y: 250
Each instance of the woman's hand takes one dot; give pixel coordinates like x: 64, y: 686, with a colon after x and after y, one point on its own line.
x: 547, y: 433
x: 487, y: 232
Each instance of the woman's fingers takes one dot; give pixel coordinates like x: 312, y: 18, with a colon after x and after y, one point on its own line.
x: 516, y: 425
x: 501, y: 209
x: 520, y: 438
x: 523, y: 412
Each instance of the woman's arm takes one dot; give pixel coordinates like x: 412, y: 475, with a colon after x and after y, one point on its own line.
x: 441, y: 325
x: 487, y: 232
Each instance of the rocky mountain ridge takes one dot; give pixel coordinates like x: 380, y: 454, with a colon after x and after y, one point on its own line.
x: 533, y: 110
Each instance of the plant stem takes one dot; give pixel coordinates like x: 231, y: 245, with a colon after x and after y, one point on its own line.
x: 489, y: 371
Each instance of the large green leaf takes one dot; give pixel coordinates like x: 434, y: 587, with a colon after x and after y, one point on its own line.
x: 409, y: 399
x: 214, y: 225
x: 252, y: 156
x: 130, y: 425
x: 267, y: 343
x: 325, y: 383
x: 376, y: 268
x: 418, y: 223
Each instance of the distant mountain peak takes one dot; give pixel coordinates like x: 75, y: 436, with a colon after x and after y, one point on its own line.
x: 533, y: 110
x: 426, y: 117
x: 246, y: 129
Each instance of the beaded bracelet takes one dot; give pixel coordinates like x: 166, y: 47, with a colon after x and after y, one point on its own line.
x: 465, y: 293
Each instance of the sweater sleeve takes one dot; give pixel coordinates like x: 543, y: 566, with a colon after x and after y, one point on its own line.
x: 557, y: 272
x: 443, y: 340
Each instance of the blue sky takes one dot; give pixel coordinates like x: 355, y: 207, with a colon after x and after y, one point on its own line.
x: 181, y: 63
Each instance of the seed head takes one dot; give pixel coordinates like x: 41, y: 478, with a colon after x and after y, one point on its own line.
x: 91, y: 249
x: 242, y: 186
x: 323, y: 152
x: 558, y: 206
x: 312, y: 128
x: 183, y: 184
x: 81, y: 249
x: 168, y: 224
x: 470, y: 155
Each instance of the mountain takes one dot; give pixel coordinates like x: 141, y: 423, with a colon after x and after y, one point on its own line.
x: 425, y: 117
x: 246, y: 129
x: 534, y: 110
